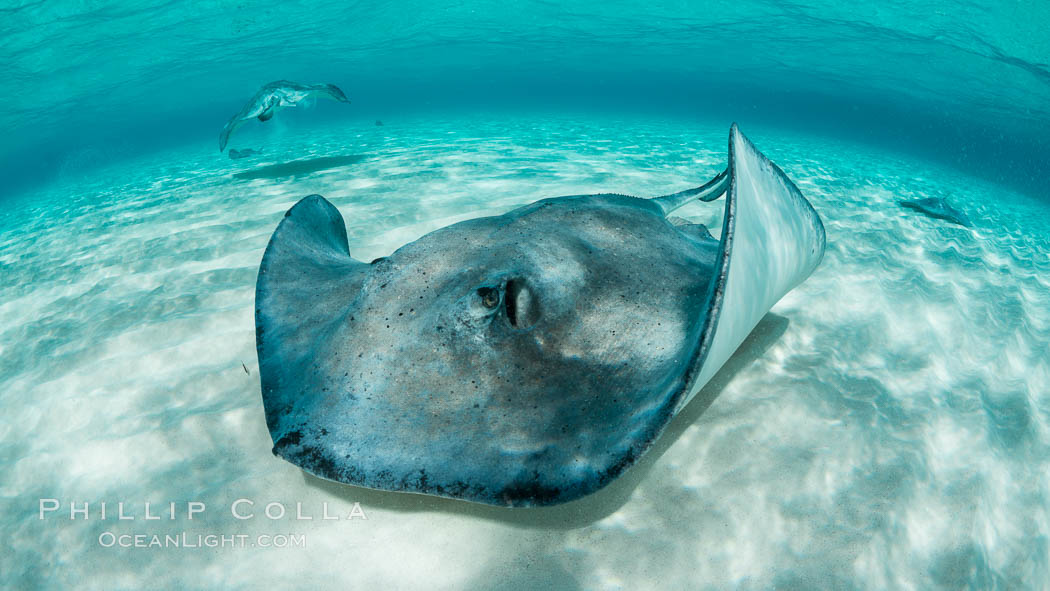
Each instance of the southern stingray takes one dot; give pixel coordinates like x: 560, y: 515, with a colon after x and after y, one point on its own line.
x: 937, y: 207
x: 522, y: 359
x: 277, y: 95
x: 238, y: 154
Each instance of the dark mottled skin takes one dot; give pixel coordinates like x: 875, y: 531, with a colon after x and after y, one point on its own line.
x: 521, y: 359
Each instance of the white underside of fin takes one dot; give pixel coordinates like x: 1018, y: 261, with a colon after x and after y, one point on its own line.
x: 777, y: 240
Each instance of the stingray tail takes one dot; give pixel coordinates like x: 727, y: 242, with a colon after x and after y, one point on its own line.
x: 709, y: 191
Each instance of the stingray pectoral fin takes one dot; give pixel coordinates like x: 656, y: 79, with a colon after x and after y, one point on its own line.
x: 306, y: 282
x: 329, y: 91
x: 772, y: 239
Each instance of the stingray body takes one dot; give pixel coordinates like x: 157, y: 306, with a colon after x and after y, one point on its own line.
x: 238, y: 154
x: 937, y: 207
x: 274, y: 96
x: 522, y: 359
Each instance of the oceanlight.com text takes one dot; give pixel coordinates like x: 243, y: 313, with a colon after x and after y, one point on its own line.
x: 186, y: 540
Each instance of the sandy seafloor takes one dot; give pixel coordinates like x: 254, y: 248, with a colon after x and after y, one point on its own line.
x: 886, y: 428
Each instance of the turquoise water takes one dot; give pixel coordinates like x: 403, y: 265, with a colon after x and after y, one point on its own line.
x: 888, y: 426
x: 966, y: 83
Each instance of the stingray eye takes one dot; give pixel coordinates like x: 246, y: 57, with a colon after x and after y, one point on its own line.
x: 489, y: 297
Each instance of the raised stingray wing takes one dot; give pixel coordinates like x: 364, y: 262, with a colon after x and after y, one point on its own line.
x: 772, y: 239
x: 329, y: 91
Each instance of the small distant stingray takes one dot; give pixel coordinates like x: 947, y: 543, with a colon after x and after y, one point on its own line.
x: 379, y: 123
x: 277, y: 95
x: 297, y: 167
x: 521, y: 359
x: 236, y: 154
x: 937, y: 207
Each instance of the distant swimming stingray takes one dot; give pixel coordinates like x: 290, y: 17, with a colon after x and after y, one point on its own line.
x: 937, y: 207
x: 277, y: 95
x: 522, y: 359
x: 238, y: 154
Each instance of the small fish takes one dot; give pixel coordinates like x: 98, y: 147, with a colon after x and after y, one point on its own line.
x: 245, y: 368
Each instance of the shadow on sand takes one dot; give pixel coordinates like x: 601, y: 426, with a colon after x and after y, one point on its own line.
x: 297, y: 167
x: 593, y: 507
